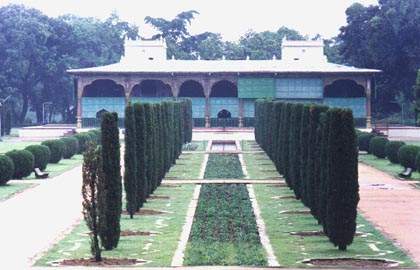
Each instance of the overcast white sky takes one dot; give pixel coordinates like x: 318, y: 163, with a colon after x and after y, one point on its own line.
x: 231, y: 18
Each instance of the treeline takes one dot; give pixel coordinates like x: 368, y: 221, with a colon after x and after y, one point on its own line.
x: 315, y: 149
x: 154, y: 135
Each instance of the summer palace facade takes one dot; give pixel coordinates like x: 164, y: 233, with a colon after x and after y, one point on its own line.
x: 221, y: 88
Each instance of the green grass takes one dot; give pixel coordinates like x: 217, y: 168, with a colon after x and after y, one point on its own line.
x: 158, y: 250
x: 6, y: 146
x: 291, y: 250
x: 8, y: 190
x: 195, y: 146
x: 188, y: 166
x: 61, y: 167
x: 417, y: 143
x: 250, y: 145
x: 223, y: 166
x: 224, y: 231
x: 259, y: 166
x: 385, y: 166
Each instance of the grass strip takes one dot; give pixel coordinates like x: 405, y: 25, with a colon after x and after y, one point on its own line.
x: 195, y: 146
x: 224, y: 230
x: 188, y: 166
x: 260, y: 166
x: 157, y: 250
x: 223, y: 166
x: 10, y: 189
x: 385, y: 166
x: 290, y: 250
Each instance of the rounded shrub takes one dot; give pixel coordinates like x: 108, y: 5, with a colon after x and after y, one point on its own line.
x: 57, y: 149
x: 7, y: 169
x: 23, y: 161
x: 71, y: 147
x: 391, y: 151
x: 83, y: 139
x: 407, y: 155
x: 363, y: 141
x: 377, y: 146
x: 41, y: 155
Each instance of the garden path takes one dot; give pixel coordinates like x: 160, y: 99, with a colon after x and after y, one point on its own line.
x: 33, y: 220
x: 391, y: 204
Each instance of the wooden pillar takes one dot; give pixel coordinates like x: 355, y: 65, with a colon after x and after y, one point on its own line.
x: 80, y: 87
x: 207, y: 91
x: 368, y: 103
x: 241, y: 113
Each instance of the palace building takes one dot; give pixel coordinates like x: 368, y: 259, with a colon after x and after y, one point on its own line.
x: 222, y: 88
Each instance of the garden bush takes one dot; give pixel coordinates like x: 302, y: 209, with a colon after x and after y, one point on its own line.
x: 57, y: 148
x: 23, y: 161
x: 407, y: 155
x: 363, y: 141
x: 41, y: 155
x: 391, y: 151
x: 7, y: 169
x: 71, y: 147
x: 83, y: 139
x: 377, y: 146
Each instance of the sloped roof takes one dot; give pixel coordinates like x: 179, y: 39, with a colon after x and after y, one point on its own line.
x: 222, y: 66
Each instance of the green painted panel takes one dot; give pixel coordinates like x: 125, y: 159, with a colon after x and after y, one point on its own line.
x: 256, y: 87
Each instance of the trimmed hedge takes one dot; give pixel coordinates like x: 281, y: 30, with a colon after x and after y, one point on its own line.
x: 363, y: 141
x: 377, y: 146
x: 391, y: 151
x: 71, y: 147
x: 83, y: 139
x: 407, y: 155
x: 23, y: 161
x: 41, y: 155
x: 57, y: 149
x: 7, y: 169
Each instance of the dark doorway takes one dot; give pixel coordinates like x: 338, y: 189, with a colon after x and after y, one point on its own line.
x: 224, y: 114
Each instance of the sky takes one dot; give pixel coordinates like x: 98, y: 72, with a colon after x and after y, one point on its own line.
x: 230, y: 18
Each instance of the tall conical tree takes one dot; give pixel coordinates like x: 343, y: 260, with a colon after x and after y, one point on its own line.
x: 323, y: 137
x: 343, y: 191
x: 111, y: 198
x: 304, y: 146
x: 130, y: 162
x: 142, y: 161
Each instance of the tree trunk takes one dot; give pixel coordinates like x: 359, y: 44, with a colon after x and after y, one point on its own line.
x: 25, y: 107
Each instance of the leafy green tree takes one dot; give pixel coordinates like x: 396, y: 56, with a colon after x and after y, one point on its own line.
x: 417, y: 99
x: 130, y: 162
x: 111, y: 186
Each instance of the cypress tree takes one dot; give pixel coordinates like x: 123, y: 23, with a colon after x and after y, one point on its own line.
x: 142, y: 161
x: 281, y: 143
x: 157, y: 142
x: 276, y: 108
x: 188, y: 120
x: 163, y: 139
x: 180, y: 129
x: 130, y: 162
x: 323, y: 168
x: 304, y: 147
x: 172, y: 132
x: 286, y: 135
x: 342, y: 178
x: 111, y: 205
x: 294, y: 149
x: 148, y: 108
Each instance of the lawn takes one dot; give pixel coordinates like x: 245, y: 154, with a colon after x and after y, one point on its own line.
x: 259, y: 166
x: 10, y: 189
x: 223, y: 166
x: 195, y: 146
x: 61, y: 167
x: 248, y: 145
x: 6, y: 146
x: 157, y: 250
x: 291, y: 250
x: 224, y: 231
x: 385, y: 166
x: 188, y: 166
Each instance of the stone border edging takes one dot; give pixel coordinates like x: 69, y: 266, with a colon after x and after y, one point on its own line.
x: 178, y: 258
x: 265, y: 241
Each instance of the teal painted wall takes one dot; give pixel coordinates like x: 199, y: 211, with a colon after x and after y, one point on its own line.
x: 218, y: 104
x: 357, y: 105
x: 198, y: 107
x: 256, y: 87
x: 91, y: 105
x: 299, y: 88
x: 149, y: 99
x: 249, y: 107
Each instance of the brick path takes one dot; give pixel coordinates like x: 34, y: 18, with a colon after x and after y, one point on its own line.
x: 392, y: 205
x: 34, y: 219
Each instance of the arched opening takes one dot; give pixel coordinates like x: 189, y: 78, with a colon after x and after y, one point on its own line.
x: 151, y: 89
x: 224, y: 114
x: 344, y: 89
x: 195, y: 91
x: 224, y: 104
x: 224, y: 88
x: 191, y: 88
x: 347, y: 94
x: 102, y: 96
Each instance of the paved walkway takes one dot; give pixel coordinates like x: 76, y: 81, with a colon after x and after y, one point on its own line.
x: 32, y: 220
x: 392, y: 205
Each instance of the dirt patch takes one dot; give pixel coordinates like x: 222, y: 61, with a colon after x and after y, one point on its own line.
x: 146, y: 212
x: 296, y: 212
x: 351, y: 262
x: 136, y: 233
x: 277, y: 185
x: 159, y: 197
x: 104, y: 262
